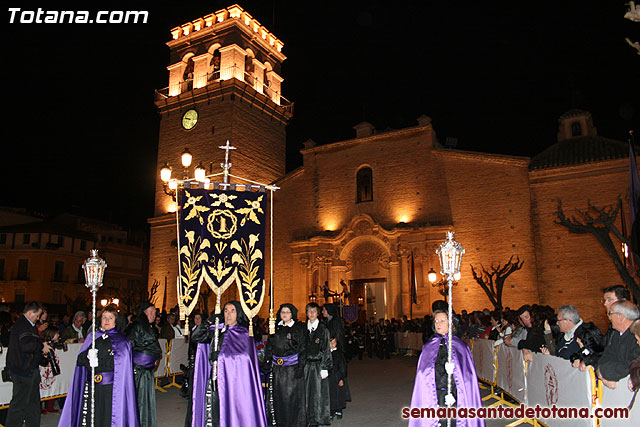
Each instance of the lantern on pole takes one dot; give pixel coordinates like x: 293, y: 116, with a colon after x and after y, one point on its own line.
x: 93, y: 268
x: 450, y: 256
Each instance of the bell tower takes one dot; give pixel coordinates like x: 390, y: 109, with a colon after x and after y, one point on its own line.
x: 224, y: 84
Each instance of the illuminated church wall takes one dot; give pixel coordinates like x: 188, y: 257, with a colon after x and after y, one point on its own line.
x: 490, y: 205
x: 484, y: 198
x: 573, y: 269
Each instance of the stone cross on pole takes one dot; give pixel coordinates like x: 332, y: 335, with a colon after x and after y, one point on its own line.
x: 226, y: 165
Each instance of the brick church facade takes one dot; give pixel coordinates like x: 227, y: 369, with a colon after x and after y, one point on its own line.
x: 356, y: 211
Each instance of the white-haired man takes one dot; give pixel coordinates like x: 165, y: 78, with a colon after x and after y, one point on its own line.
x: 623, y: 348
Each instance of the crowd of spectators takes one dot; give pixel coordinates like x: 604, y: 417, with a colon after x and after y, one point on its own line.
x: 532, y: 328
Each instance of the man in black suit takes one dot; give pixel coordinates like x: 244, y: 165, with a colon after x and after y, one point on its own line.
x: 23, y: 358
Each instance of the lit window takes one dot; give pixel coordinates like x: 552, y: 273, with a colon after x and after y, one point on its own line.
x: 364, y: 184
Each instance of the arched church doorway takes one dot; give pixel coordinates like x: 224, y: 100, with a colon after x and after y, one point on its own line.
x: 371, y: 295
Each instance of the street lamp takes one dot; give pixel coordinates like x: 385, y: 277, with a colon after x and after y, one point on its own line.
x: 171, y: 185
x: 165, y: 173
x: 106, y: 301
x: 432, y: 276
x: 200, y: 173
x: 313, y: 297
x: 441, y: 284
x: 186, y: 158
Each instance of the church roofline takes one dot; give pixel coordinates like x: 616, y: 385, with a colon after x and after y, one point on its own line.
x: 485, y: 157
x: 224, y: 18
x: 289, y: 176
x: 377, y: 136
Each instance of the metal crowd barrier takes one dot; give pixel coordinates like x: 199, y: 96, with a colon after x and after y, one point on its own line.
x: 174, y: 353
x: 548, y: 381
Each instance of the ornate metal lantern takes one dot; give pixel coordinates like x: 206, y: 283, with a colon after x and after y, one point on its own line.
x: 94, y: 270
x: 450, y: 256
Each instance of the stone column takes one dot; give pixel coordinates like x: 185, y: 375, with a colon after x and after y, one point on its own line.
x: 175, y: 77
x: 200, y: 68
x: 258, y: 72
x: 232, y: 59
x: 405, y: 283
x: 275, y: 85
x: 395, y: 285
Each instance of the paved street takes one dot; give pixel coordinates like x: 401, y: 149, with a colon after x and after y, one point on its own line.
x: 379, y: 390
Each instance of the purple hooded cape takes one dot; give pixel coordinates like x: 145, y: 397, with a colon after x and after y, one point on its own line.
x: 464, y: 374
x: 124, y: 409
x: 239, y: 387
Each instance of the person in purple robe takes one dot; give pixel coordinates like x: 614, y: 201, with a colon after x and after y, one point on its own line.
x: 430, y: 388
x: 227, y: 391
x: 115, y: 393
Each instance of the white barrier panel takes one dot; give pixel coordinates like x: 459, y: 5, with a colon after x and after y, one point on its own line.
x: 179, y: 355
x: 161, y: 370
x: 49, y: 385
x: 620, y: 398
x: 59, y: 385
x: 483, y: 357
x: 553, y: 381
x: 55, y: 386
x: 510, y: 373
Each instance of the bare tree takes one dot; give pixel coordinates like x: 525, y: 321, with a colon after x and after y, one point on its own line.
x: 152, y: 292
x: 600, y: 222
x: 492, y: 282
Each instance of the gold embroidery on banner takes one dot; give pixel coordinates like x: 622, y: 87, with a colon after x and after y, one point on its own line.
x: 195, y: 208
x: 191, y: 267
x: 246, y: 258
x: 249, y: 211
x: 222, y: 224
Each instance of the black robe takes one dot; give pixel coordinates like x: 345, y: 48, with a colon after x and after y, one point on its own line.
x: 338, y: 394
x: 144, y: 341
x: 103, y: 392
x: 318, y: 358
x: 287, y: 382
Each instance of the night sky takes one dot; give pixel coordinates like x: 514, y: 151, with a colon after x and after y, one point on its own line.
x: 80, y: 128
